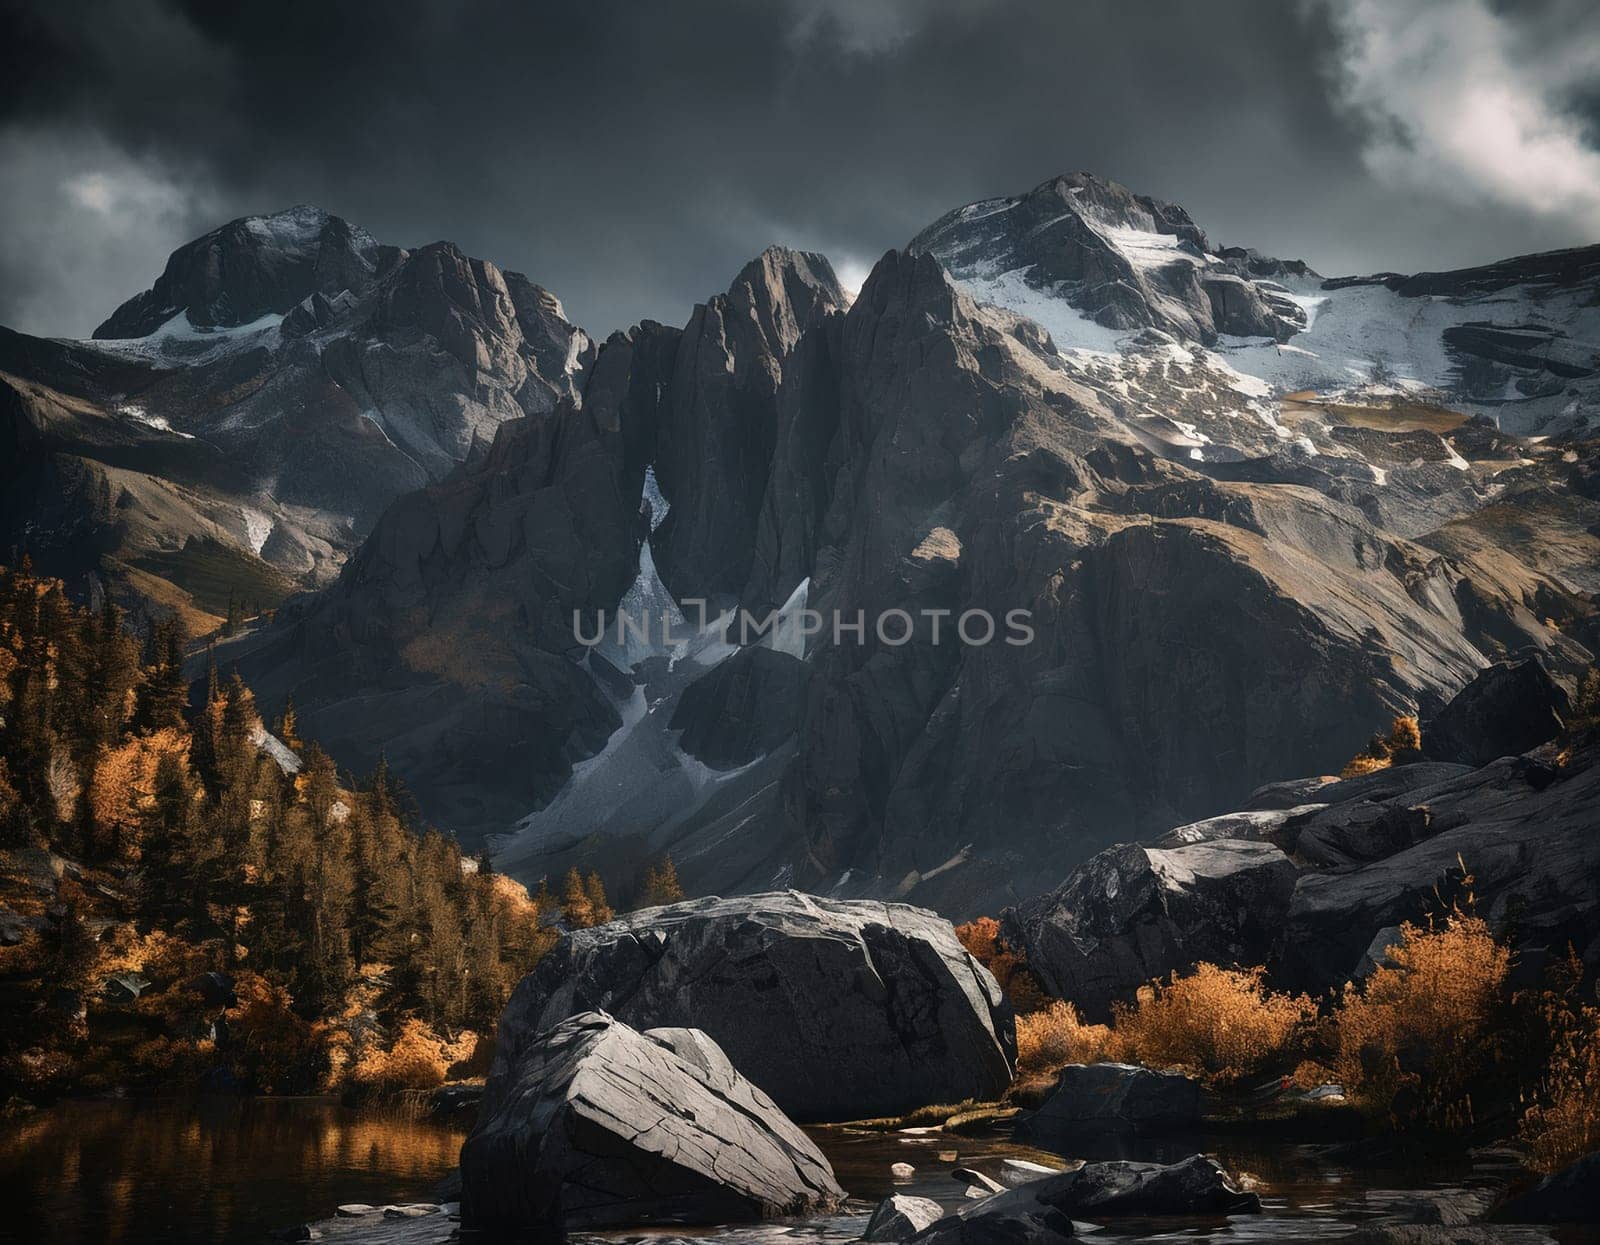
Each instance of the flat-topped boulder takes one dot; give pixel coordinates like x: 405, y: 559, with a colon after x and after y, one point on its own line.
x: 598, y: 1125
x: 837, y: 1009
x: 1116, y: 1098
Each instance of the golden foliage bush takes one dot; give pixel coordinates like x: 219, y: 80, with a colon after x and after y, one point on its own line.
x: 1402, y: 745
x: 1218, y: 1023
x: 981, y: 938
x: 418, y: 1058
x: 1055, y: 1036
x: 1411, y: 1042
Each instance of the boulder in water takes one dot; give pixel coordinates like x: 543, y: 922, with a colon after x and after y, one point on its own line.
x: 601, y: 1126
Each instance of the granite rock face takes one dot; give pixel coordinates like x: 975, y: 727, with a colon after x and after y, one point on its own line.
x: 1136, y: 913
x: 600, y: 1126
x: 1116, y: 1098
x: 838, y: 1010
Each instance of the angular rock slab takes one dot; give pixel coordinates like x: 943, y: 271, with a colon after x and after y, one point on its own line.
x: 838, y: 1009
x: 1043, y: 1211
x: 602, y: 1126
x: 1116, y: 1098
x: 900, y: 1216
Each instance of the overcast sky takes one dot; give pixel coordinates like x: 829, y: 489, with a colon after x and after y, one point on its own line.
x: 631, y: 156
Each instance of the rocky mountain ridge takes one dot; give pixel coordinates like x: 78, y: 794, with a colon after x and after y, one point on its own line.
x: 1228, y: 580
x: 251, y: 415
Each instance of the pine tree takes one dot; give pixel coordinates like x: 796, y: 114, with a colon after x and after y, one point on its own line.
x: 661, y: 885
x: 599, y: 909
x: 577, y: 907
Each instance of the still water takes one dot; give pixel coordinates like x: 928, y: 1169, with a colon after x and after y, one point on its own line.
x: 211, y: 1171
x: 227, y: 1171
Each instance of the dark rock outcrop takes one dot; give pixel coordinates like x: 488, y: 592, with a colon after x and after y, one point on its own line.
x: 1571, y: 1195
x: 1116, y: 1098
x: 837, y: 1010
x: 1135, y: 913
x: 1508, y: 709
x: 596, y: 1125
x: 1043, y: 1211
x: 743, y: 708
x: 1527, y: 845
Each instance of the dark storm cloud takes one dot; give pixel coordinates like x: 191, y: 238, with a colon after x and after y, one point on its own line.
x: 632, y: 156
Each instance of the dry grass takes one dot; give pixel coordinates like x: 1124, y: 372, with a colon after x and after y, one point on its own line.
x: 1412, y: 1042
x: 1217, y: 1023
x: 1565, y: 1125
x: 1054, y: 1037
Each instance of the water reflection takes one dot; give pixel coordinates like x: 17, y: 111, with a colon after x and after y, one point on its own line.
x: 217, y: 1171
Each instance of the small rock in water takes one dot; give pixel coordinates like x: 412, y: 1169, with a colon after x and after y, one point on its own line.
x: 977, y: 1180
x: 414, y: 1210
x: 902, y: 1171
x: 1014, y: 1172
x: 900, y: 1217
x: 352, y: 1209
x: 949, y: 1156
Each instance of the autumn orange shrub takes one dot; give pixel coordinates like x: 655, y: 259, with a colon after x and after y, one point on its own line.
x: 1056, y: 1036
x: 981, y: 938
x: 1402, y: 745
x: 1411, y: 1042
x: 1219, y: 1023
x: 418, y: 1058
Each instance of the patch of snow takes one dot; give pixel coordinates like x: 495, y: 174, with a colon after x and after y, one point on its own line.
x: 159, y: 422
x: 257, y: 528
x: 659, y: 505
x: 1068, y: 327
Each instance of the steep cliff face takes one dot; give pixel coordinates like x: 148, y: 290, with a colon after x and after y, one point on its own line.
x: 714, y: 446
x: 449, y: 642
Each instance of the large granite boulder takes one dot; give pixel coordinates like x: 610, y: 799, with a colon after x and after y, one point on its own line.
x: 1043, y: 1210
x: 1116, y: 1098
x: 1135, y: 913
x: 839, y: 1010
x: 598, y: 1125
x: 1509, y: 708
